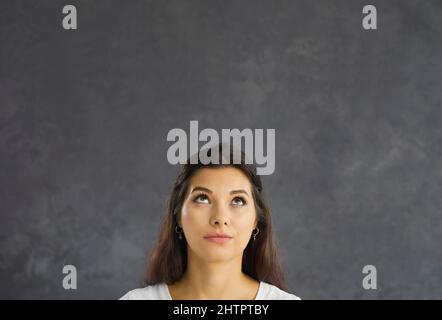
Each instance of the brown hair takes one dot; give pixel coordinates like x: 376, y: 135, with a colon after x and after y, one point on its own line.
x: 168, y: 260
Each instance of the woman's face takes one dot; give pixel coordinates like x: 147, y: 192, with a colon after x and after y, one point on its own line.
x: 219, y: 200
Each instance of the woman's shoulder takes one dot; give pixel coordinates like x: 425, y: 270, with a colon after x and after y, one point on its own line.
x: 268, y: 291
x: 153, y: 292
x: 160, y: 291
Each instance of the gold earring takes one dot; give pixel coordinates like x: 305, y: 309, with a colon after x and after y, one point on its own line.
x: 254, y: 234
x: 179, y: 232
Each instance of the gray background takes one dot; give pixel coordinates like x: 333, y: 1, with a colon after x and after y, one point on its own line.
x: 84, y: 118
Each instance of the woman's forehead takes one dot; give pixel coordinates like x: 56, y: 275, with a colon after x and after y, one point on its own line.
x: 220, y: 178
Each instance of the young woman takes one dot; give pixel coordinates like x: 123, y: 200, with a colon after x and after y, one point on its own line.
x: 216, y: 239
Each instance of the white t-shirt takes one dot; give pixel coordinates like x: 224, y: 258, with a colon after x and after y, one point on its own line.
x: 160, y: 291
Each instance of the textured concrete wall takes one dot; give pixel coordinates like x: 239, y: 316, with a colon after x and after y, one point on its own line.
x: 84, y: 116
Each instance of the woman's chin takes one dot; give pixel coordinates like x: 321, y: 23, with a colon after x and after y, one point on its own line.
x: 216, y: 255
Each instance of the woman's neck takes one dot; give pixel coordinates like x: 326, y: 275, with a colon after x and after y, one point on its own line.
x: 215, y: 281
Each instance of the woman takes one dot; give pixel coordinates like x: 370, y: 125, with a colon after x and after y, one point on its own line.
x: 216, y: 238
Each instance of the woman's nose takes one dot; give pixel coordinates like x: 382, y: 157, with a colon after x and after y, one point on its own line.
x: 219, y: 215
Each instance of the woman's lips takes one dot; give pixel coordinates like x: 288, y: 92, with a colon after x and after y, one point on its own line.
x: 218, y: 239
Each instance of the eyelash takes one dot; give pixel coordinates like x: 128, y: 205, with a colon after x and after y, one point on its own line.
x: 195, y: 199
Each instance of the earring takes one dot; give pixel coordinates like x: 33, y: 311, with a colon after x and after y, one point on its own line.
x: 254, y: 234
x: 179, y: 232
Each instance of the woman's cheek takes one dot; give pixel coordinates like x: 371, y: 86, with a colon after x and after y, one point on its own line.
x: 245, y: 218
x: 193, y: 221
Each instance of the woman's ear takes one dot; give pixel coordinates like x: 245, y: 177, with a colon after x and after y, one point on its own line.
x: 178, y: 221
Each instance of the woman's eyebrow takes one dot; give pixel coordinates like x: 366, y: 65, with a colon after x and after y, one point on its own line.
x: 198, y: 188
x: 239, y: 191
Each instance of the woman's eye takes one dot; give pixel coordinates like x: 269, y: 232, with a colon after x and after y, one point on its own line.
x: 202, y: 198
x: 239, y: 201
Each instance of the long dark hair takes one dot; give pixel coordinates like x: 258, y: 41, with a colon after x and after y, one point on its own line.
x: 168, y: 260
